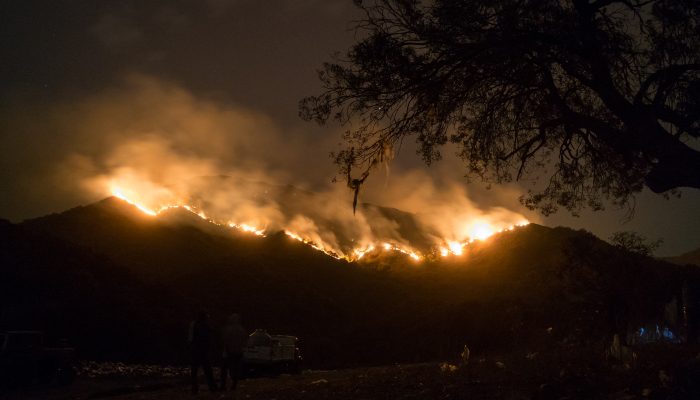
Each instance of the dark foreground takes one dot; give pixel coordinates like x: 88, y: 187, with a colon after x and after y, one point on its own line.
x: 658, y: 372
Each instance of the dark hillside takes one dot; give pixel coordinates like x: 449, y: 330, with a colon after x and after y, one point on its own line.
x: 503, y: 292
x: 691, y: 257
x: 149, y: 246
x: 71, y: 292
x: 276, y: 282
x: 536, y: 277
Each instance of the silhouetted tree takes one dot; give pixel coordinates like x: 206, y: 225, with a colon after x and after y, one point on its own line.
x: 635, y: 242
x: 597, y: 96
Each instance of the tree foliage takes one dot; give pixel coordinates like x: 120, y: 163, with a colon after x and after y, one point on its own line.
x: 597, y: 97
x: 635, y: 242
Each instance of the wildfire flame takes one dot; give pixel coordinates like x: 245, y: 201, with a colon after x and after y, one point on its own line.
x: 479, y: 231
x: 247, y: 228
x: 359, y: 253
x: 317, y: 246
x: 456, y: 248
x: 117, y: 192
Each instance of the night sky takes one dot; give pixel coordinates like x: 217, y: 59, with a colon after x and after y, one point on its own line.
x: 214, y: 80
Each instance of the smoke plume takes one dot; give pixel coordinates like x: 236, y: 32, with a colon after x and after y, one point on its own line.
x: 158, y: 145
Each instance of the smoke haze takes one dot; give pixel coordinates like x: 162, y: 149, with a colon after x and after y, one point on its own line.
x: 159, y: 145
x: 232, y: 71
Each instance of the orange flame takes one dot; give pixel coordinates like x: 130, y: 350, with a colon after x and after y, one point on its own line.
x: 117, y: 192
x: 247, y: 228
x: 479, y: 231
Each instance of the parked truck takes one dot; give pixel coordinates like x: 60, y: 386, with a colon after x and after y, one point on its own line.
x: 26, y: 360
x: 271, y: 354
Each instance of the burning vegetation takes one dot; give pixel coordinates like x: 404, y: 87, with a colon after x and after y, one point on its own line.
x: 320, y: 235
x: 161, y: 147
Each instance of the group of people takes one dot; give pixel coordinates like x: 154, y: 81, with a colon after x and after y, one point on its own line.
x: 234, y: 339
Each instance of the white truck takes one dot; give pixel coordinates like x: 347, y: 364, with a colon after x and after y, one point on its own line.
x: 265, y: 354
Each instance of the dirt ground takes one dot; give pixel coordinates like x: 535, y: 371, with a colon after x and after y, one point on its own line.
x: 415, y: 381
x: 653, y: 373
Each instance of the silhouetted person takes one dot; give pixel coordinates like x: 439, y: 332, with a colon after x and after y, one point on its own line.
x: 234, y: 339
x: 199, y: 339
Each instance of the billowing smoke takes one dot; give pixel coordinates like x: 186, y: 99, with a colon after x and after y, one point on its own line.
x: 157, y: 145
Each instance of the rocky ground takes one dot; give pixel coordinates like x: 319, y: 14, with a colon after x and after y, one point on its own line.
x: 653, y: 372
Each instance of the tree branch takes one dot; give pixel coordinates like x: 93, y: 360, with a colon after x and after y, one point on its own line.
x: 667, y: 74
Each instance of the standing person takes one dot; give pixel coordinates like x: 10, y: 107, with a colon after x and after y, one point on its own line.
x: 199, y: 339
x: 234, y: 338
